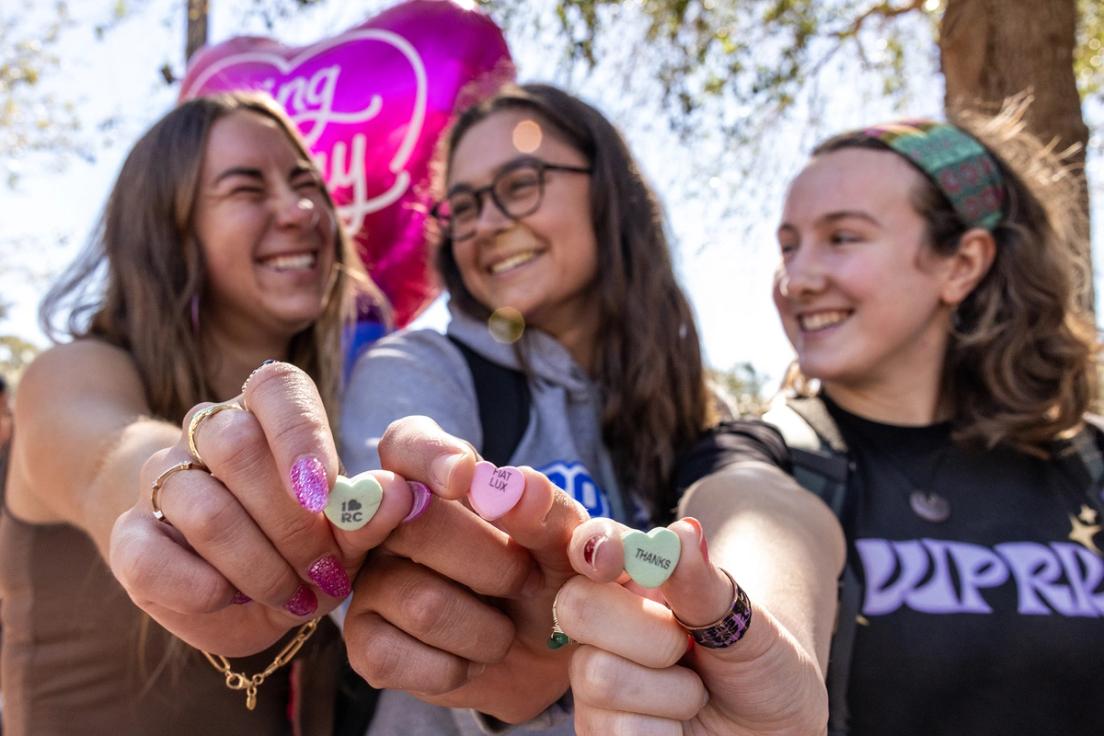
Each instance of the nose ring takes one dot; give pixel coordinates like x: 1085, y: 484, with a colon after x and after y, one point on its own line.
x: 308, y: 206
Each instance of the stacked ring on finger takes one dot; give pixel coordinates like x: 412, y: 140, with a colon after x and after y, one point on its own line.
x: 159, y: 483
x: 197, y: 419
x: 729, y: 628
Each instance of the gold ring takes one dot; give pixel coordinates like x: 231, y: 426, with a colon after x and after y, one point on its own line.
x: 155, y: 489
x: 197, y: 419
x: 249, y: 378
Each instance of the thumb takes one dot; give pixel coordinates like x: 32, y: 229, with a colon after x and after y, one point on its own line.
x: 710, y: 604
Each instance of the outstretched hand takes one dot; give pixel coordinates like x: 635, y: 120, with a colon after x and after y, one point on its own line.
x: 453, y: 608
x: 243, y: 553
x: 638, y: 671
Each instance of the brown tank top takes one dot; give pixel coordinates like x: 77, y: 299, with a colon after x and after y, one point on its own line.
x: 79, y: 657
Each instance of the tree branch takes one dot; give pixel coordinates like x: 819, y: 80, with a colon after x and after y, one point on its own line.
x: 883, y: 10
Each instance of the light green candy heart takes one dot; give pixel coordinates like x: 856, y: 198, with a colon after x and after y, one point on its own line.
x: 651, y: 558
x: 353, y: 501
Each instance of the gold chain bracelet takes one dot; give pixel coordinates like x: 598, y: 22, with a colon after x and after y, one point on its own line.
x: 240, y: 681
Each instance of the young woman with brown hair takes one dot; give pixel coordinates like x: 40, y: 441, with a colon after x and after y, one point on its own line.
x: 928, y: 285
x: 219, y: 248
x: 545, y: 217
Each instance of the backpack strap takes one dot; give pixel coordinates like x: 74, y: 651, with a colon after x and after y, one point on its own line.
x: 1081, y: 461
x: 504, y: 398
x: 822, y: 466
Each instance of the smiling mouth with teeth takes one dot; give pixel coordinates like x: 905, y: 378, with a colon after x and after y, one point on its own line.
x: 512, y: 262
x: 822, y: 320
x: 294, y: 262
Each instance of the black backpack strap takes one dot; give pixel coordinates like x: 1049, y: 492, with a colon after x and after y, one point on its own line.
x: 1087, y: 445
x: 822, y: 466
x: 503, y: 397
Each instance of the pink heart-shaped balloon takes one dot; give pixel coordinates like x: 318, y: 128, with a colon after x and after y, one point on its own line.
x: 371, y: 103
x: 494, y: 491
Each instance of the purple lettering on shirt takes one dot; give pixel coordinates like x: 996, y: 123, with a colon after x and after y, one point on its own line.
x: 1084, y: 570
x: 1036, y: 570
x: 881, y: 559
x: 977, y: 567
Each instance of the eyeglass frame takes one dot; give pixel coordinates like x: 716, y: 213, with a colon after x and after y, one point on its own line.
x: 542, y: 166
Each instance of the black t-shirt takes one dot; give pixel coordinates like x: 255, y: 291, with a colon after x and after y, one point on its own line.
x: 991, y: 622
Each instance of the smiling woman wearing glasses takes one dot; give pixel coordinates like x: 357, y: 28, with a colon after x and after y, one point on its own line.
x: 545, y: 217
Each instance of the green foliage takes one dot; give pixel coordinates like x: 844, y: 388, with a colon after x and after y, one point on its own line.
x: 743, y: 387
x: 756, y: 57
x: 34, y: 117
x: 1088, y: 61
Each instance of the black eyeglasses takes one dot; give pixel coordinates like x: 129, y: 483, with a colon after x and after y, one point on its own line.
x: 517, y: 191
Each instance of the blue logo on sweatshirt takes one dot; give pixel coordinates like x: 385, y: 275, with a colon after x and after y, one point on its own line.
x: 574, y: 478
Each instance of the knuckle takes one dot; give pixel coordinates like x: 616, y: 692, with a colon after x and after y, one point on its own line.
x: 575, y: 606
x: 594, y: 675
x: 236, y: 443
x: 210, y: 521
x: 426, y: 609
x: 380, y: 659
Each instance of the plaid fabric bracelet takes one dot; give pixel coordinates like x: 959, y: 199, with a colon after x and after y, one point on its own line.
x: 729, y: 628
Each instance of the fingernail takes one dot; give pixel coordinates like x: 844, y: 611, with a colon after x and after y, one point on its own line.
x: 303, y: 603
x: 328, y: 574
x: 701, y: 536
x: 590, y: 549
x: 308, y: 480
x: 422, y: 497
x: 240, y: 598
x: 440, y: 470
x: 475, y: 669
x: 268, y: 361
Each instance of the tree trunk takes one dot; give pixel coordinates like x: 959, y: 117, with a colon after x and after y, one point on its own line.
x: 993, y: 49
x: 197, y: 27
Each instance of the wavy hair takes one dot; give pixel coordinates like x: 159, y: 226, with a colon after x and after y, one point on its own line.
x: 135, y: 284
x: 647, y: 354
x: 1020, y: 366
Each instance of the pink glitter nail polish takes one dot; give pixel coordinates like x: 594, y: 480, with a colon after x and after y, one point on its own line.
x: 303, y: 603
x: 308, y: 480
x: 327, y: 574
x: 422, y: 497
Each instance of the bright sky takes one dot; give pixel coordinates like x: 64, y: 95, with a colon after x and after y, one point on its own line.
x: 725, y: 257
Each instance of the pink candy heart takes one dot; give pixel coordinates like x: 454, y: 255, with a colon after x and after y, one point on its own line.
x: 494, y: 491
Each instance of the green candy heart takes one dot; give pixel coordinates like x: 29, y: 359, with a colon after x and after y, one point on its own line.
x: 651, y: 558
x: 353, y: 501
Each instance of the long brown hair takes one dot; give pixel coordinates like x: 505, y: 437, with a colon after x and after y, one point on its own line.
x: 648, y: 357
x: 136, y: 284
x: 1020, y: 366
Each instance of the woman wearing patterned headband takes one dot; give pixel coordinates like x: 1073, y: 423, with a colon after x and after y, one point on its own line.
x: 944, y: 367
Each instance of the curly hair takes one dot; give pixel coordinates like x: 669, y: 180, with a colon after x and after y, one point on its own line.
x: 648, y: 357
x: 135, y: 283
x: 1020, y: 367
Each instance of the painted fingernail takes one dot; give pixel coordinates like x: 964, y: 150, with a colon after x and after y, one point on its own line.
x: 590, y: 549
x: 440, y: 470
x: 328, y: 574
x: 268, y: 361
x: 422, y: 497
x: 303, y: 603
x: 701, y: 536
x: 240, y: 598
x: 308, y: 480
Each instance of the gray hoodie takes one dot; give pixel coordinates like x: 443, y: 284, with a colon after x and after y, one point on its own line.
x: 423, y: 372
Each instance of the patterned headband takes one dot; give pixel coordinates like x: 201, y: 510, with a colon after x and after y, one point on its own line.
x: 961, y: 168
